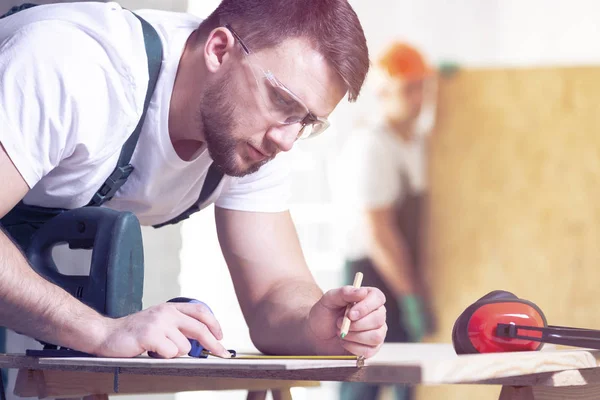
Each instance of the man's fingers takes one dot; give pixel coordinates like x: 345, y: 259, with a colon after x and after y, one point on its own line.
x: 201, y: 313
x: 373, y: 337
x: 188, y: 321
x: 359, y: 349
x: 179, y: 339
x: 164, y: 348
x: 194, y: 329
x: 374, y: 300
x: 341, y: 297
x: 374, y: 320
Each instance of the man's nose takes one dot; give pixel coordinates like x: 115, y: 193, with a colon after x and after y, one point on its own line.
x: 284, y: 136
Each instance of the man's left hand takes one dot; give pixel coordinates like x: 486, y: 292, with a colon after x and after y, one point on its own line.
x: 367, y: 315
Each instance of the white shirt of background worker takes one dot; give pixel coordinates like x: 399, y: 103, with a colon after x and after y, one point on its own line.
x: 379, y: 166
x: 236, y: 89
x: 376, y: 160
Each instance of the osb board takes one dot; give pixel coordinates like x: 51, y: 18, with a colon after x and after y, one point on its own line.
x: 515, y: 195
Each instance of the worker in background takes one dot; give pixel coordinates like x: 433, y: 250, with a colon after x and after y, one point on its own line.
x: 382, y: 190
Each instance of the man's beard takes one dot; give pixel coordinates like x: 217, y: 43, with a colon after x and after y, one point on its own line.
x: 216, y: 117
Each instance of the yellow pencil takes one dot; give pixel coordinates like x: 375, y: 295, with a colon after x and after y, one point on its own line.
x: 346, y: 322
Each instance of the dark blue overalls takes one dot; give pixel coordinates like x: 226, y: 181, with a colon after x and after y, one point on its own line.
x: 24, y: 220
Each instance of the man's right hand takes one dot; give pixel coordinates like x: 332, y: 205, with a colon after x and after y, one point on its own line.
x: 163, y: 329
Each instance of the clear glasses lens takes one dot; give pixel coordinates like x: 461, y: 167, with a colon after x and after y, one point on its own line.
x: 312, y: 130
x: 283, y: 106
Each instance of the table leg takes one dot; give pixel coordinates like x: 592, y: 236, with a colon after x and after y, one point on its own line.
x: 281, y: 394
x: 516, y: 393
x: 257, y: 395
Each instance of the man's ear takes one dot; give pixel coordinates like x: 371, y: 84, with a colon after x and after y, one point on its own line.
x: 218, y: 48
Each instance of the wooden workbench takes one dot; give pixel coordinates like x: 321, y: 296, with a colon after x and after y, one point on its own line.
x: 546, y: 374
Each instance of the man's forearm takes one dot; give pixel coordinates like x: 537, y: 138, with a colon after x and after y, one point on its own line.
x: 279, y: 325
x: 34, y: 307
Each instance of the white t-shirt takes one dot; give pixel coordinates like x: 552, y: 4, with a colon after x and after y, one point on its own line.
x: 375, y: 169
x: 73, y: 79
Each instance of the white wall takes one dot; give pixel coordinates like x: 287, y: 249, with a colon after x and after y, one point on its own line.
x: 491, y: 32
x: 484, y: 34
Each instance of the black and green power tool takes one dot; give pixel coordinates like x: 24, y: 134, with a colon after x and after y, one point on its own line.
x: 115, y: 282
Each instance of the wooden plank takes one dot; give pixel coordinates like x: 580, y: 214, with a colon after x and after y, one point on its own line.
x: 439, y: 364
x: 54, y: 383
x: 208, y: 363
x: 588, y: 392
x: 320, y: 374
x: 504, y: 367
x: 415, y: 363
x: 571, y: 377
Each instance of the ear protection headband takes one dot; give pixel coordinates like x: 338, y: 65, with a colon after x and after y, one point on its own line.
x: 502, y: 322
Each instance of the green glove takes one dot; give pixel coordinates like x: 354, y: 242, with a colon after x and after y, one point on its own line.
x: 412, y: 316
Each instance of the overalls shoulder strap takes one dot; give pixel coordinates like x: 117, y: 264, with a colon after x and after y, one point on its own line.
x: 212, y: 180
x: 18, y: 8
x: 123, y: 169
x: 24, y: 220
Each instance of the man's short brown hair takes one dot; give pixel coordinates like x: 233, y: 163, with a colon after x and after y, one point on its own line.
x: 331, y: 26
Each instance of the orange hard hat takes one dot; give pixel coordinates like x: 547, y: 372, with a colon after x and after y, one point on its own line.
x: 402, y: 60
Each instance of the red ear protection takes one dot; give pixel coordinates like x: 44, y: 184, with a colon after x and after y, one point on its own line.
x: 501, y: 322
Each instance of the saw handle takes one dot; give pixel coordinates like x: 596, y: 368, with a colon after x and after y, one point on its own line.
x: 115, y: 282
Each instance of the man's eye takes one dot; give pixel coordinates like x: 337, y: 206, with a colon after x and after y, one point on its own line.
x: 280, y: 99
x: 293, y: 119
